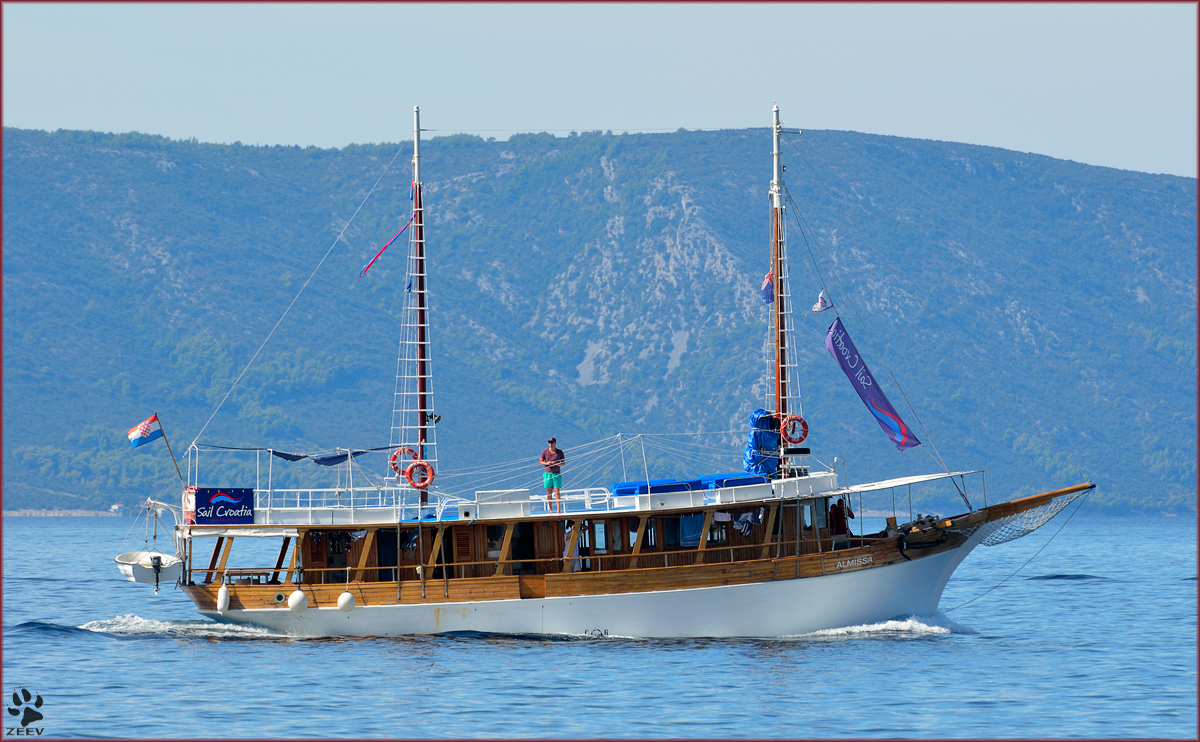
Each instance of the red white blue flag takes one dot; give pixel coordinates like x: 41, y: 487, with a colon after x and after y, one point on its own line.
x: 141, y: 433
x: 823, y: 303
x: 767, y: 292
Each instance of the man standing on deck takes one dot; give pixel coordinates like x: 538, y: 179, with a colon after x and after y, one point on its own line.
x: 839, y: 525
x: 553, y: 459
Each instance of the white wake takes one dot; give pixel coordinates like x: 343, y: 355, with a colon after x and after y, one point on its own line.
x: 132, y: 625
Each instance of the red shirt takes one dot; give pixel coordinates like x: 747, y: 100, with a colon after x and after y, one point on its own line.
x: 837, y: 518
x: 557, y: 456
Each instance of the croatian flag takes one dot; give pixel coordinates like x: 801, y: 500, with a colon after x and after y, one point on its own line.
x: 767, y: 292
x: 141, y: 433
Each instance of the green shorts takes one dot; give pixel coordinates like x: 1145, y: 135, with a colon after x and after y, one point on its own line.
x: 551, y: 481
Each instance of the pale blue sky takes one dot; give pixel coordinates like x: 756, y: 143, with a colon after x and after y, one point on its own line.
x: 1110, y: 84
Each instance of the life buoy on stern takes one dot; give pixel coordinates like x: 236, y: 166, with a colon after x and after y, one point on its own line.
x: 425, y: 481
x: 785, y: 429
x: 396, y: 457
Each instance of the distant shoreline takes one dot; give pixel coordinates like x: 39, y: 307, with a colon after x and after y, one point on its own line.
x: 30, y: 512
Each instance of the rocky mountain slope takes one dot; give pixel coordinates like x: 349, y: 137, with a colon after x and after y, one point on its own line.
x: 1038, y: 314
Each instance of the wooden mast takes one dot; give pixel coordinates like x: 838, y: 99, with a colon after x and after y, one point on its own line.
x: 418, y: 252
x: 779, y: 268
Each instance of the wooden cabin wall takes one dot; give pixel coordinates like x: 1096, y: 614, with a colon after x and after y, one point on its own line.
x: 465, y: 544
x: 312, y: 553
x: 372, y: 573
x: 548, y: 544
x: 356, y: 550
x: 465, y: 548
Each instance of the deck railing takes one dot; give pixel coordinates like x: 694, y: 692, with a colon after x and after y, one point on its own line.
x: 618, y: 560
x: 589, y: 499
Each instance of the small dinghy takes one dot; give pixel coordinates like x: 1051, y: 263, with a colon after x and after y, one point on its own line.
x: 152, y: 567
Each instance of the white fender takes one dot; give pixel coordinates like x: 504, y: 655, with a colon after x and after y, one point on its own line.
x: 223, y: 599
x: 297, y: 601
x: 346, y: 602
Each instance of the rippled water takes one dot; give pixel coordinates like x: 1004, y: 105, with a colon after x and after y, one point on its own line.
x: 1095, y: 638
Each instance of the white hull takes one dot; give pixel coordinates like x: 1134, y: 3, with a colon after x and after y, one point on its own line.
x: 780, y: 608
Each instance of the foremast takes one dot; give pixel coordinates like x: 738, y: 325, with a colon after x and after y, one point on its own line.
x: 786, y: 389
x: 413, y: 418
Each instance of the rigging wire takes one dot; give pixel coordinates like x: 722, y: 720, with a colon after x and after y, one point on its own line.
x: 301, y: 291
x: 802, y: 225
x: 924, y: 306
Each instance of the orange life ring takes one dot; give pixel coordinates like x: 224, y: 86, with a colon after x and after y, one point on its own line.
x: 787, y: 423
x: 396, y: 457
x: 412, y: 480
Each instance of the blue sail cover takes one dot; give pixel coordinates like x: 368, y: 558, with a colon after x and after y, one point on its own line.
x: 762, y: 445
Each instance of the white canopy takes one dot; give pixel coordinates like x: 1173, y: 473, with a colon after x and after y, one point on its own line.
x: 899, y: 482
x: 251, y: 531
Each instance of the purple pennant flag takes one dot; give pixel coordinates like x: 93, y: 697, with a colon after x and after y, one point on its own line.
x: 841, y: 347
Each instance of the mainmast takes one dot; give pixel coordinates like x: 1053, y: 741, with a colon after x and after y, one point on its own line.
x: 418, y: 252
x: 787, y: 390
x: 412, y: 413
x: 779, y: 268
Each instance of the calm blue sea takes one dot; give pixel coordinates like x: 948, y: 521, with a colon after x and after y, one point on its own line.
x: 1096, y: 637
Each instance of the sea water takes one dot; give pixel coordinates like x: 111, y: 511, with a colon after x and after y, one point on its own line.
x: 1086, y: 628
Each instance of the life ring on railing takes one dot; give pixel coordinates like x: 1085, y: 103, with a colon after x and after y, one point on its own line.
x: 396, y: 457
x: 786, y: 427
x: 411, y: 477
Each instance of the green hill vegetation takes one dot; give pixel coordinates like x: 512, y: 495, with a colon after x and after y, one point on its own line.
x: 1040, y: 315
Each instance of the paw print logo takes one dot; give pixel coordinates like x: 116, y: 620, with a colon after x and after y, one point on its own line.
x: 21, y: 703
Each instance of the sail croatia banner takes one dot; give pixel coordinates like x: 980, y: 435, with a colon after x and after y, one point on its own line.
x: 224, y: 505
x: 841, y: 347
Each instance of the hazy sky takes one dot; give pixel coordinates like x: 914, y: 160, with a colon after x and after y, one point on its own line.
x: 1107, y: 84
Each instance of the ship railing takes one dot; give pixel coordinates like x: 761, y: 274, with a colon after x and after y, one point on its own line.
x: 586, y: 500
x: 335, y: 497
x: 715, y: 553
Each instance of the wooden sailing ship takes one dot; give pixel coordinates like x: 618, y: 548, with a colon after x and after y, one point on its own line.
x: 725, y: 555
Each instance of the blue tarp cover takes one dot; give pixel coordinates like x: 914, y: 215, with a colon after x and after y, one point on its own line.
x: 762, y: 445
x: 730, y: 479
x: 655, y: 486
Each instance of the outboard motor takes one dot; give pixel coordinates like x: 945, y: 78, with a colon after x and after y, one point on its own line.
x: 156, y: 565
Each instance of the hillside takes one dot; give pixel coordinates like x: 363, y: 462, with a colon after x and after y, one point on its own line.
x: 593, y: 284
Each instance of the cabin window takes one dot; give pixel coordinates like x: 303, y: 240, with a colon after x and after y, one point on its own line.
x: 650, y: 540
x: 495, y: 540
x: 671, y: 532
x: 808, y: 516
x: 821, y: 511
x: 523, y: 547
x: 337, y: 548
x: 717, y: 534
x: 386, y: 544
x: 632, y: 525
x: 601, y: 537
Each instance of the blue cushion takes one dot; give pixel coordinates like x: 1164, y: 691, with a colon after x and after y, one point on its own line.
x: 731, y: 479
